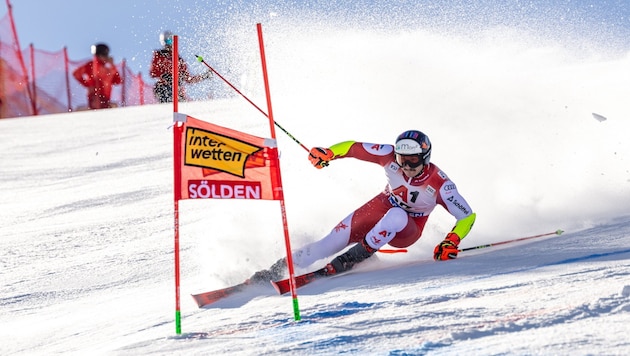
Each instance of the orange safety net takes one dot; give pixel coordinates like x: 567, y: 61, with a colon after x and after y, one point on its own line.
x: 37, y: 82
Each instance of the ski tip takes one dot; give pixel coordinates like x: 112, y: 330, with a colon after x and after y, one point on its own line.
x: 275, y: 286
x: 199, y: 300
x: 559, y: 232
x: 199, y: 58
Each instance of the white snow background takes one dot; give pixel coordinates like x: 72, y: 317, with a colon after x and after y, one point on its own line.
x: 86, y: 244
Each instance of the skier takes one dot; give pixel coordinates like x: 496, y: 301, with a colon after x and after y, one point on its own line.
x: 396, y: 216
x: 99, y: 76
x: 162, y: 70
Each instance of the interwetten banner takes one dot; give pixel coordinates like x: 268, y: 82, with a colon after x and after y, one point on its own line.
x: 221, y: 163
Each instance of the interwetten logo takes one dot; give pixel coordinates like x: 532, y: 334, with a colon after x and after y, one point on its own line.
x: 207, y: 149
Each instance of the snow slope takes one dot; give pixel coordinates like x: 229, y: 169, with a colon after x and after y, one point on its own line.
x: 86, y: 246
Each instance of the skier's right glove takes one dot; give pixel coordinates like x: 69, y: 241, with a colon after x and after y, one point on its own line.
x: 447, y: 249
x: 320, y: 157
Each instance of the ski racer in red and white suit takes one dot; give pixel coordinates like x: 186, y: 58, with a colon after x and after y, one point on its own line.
x: 397, y: 215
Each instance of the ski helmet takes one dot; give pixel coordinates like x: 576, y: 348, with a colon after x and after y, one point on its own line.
x: 413, y: 143
x: 100, y: 49
x: 166, y: 38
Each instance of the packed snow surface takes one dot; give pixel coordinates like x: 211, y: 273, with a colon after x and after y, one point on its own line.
x: 87, y: 247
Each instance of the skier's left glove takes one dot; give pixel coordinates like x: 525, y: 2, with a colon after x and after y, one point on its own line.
x: 447, y: 249
x: 320, y: 157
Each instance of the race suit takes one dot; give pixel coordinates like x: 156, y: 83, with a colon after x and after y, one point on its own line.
x: 397, y: 215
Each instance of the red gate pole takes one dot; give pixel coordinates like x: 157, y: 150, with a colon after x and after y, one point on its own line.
x: 280, y: 194
x: 177, y: 186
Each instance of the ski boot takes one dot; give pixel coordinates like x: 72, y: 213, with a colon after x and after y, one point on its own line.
x: 274, y: 273
x: 347, y: 260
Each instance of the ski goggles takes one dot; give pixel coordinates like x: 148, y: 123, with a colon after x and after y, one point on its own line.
x: 412, y: 161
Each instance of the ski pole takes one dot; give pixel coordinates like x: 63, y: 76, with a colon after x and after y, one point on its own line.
x: 557, y: 232
x: 200, y: 59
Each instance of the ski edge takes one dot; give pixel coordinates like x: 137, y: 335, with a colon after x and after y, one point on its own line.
x: 283, y: 286
x: 207, y: 298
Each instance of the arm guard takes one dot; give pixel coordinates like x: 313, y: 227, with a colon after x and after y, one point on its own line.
x: 463, y: 226
x: 341, y: 149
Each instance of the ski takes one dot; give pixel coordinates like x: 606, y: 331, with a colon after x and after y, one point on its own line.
x: 283, y: 286
x: 214, y: 296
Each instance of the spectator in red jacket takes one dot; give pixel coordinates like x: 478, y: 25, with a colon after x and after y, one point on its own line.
x: 98, y: 76
x: 162, y: 70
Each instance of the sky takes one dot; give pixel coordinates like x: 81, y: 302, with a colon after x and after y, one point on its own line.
x: 132, y: 28
x: 215, y: 29
x: 86, y: 249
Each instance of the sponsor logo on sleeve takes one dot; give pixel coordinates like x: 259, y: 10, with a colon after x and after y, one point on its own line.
x: 449, y: 187
x: 458, y: 205
x: 378, y: 149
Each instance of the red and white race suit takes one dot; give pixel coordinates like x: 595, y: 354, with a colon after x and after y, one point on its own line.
x: 397, y: 215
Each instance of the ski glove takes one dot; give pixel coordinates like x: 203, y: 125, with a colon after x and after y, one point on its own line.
x: 206, y: 75
x: 320, y: 157
x: 447, y: 249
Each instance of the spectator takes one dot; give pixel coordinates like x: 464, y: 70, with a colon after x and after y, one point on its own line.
x: 161, y: 69
x: 99, y: 76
